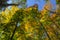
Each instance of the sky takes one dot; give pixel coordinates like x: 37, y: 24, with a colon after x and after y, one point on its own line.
x: 40, y: 3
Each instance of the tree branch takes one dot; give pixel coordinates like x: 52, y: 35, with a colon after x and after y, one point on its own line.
x: 45, y: 31
x: 13, y: 32
x: 5, y: 5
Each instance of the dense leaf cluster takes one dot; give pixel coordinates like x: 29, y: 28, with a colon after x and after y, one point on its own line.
x: 29, y: 24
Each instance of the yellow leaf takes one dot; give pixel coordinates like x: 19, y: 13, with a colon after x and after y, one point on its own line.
x: 27, y: 25
x: 42, y: 20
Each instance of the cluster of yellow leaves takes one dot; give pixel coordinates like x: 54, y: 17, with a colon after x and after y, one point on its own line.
x: 42, y: 19
x: 9, y: 13
x: 53, y: 16
x: 28, y: 27
x: 47, y: 6
x: 28, y: 9
x: 45, y: 11
x: 14, y: 9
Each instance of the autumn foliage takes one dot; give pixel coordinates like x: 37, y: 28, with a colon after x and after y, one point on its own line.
x: 29, y: 24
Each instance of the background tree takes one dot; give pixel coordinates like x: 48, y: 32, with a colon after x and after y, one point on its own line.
x: 4, y: 4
